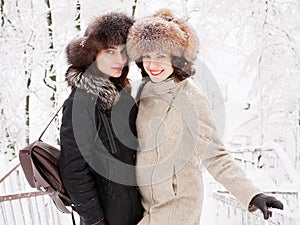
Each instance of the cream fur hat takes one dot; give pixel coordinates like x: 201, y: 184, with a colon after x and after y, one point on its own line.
x: 162, y: 33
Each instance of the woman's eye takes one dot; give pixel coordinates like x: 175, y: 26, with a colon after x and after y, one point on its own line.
x: 110, y: 51
x: 161, y: 56
x: 146, y: 56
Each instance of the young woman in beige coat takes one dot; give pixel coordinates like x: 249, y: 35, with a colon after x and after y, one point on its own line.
x: 176, y: 132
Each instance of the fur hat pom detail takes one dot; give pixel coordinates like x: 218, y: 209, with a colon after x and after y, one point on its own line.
x: 164, y: 13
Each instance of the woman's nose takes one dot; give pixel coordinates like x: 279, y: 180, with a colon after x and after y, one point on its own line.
x: 152, y: 64
x: 121, y: 58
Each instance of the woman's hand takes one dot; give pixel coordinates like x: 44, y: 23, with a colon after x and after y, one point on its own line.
x: 263, y: 202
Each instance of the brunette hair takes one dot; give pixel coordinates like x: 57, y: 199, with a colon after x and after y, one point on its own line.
x: 122, y: 82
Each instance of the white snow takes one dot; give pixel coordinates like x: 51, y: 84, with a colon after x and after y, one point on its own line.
x: 249, y: 59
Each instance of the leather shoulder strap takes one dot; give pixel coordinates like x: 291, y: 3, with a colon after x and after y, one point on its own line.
x: 109, y: 132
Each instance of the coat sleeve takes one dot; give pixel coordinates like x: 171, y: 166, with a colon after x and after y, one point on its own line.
x: 217, y: 159
x: 77, y: 135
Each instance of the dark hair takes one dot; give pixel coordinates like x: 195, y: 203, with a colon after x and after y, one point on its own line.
x: 139, y: 64
x: 122, y: 82
x: 182, y: 68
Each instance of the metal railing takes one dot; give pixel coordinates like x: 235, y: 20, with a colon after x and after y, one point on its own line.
x: 22, y: 205
x: 272, y: 171
x: 230, y: 211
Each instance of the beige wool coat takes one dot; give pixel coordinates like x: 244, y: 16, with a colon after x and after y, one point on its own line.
x: 178, y: 141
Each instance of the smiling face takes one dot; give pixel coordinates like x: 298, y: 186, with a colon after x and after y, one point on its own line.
x: 158, y: 66
x: 111, y: 61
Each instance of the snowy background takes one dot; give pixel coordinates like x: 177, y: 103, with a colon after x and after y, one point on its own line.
x: 249, y: 51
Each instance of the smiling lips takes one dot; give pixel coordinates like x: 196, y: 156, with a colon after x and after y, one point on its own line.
x: 117, y: 68
x: 156, y: 72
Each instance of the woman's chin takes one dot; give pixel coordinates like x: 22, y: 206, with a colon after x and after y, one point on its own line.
x: 116, y: 74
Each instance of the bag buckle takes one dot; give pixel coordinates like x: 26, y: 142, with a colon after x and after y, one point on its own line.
x: 43, y: 189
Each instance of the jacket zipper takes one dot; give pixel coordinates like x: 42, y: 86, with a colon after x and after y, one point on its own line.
x: 158, y: 156
x: 174, y: 181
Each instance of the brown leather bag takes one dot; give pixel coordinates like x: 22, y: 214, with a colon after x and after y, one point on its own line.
x: 39, y: 162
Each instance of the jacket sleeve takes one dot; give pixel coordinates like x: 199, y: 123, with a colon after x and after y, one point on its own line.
x: 77, y: 135
x: 217, y: 159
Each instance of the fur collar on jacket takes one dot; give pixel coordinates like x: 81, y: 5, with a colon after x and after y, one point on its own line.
x: 98, y: 88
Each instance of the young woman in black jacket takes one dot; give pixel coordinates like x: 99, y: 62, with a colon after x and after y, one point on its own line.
x: 98, y: 133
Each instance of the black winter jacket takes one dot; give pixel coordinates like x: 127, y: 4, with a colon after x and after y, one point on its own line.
x: 97, y: 173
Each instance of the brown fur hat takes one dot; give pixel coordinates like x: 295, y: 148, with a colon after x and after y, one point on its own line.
x: 105, y: 31
x: 162, y: 33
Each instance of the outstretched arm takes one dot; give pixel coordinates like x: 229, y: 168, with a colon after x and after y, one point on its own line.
x: 224, y: 169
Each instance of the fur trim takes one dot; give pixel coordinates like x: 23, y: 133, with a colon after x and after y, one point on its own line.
x: 98, y: 88
x: 80, y: 54
x: 162, y: 33
x: 105, y: 31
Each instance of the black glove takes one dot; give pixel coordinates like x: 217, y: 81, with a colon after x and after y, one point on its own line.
x: 263, y: 202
